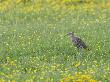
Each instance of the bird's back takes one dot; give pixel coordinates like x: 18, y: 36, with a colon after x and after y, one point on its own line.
x: 79, y: 43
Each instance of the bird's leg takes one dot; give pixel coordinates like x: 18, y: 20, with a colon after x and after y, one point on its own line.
x: 80, y: 55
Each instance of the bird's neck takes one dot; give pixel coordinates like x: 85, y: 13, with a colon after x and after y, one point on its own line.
x: 72, y: 37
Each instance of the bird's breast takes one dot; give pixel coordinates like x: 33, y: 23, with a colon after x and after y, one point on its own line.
x: 74, y: 41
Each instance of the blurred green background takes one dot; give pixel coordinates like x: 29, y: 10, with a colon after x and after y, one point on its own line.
x: 34, y: 46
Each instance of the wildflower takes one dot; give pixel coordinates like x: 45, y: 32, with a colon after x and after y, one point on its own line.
x: 78, y: 64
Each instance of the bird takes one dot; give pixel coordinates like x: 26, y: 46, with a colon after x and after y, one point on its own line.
x: 78, y: 42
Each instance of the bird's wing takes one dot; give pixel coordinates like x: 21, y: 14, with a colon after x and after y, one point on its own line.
x: 81, y: 43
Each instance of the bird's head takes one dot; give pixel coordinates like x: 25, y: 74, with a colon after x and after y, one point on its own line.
x: 71, y: 34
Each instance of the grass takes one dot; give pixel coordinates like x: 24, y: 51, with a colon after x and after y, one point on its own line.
x: 34, y: 46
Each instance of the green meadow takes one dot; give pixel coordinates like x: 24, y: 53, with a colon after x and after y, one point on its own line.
x: 34, y: 46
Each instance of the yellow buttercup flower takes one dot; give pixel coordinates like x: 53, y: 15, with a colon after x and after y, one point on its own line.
x: 78, y: 64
